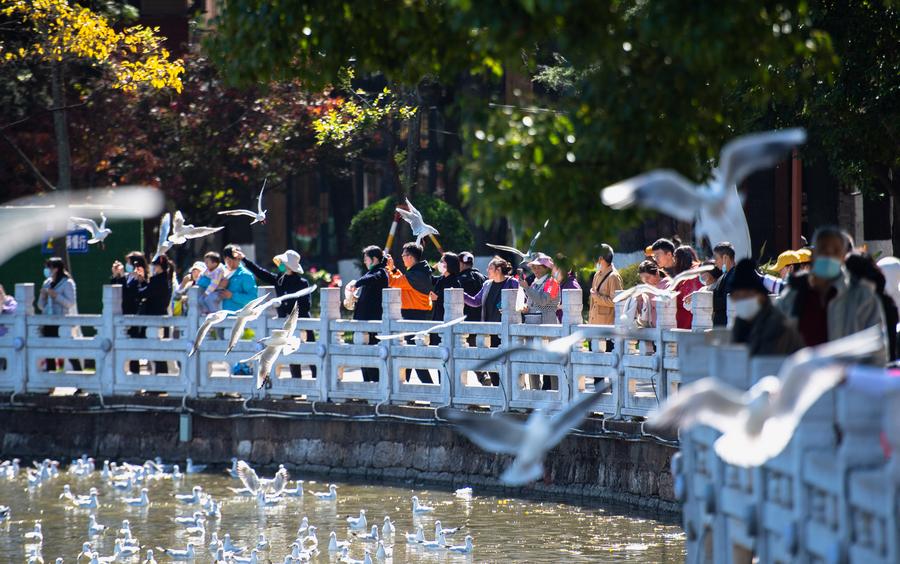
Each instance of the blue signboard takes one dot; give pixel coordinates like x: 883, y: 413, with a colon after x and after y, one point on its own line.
x: 76, y: 243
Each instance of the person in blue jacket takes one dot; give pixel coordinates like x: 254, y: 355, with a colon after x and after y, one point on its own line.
x: 240, y: 292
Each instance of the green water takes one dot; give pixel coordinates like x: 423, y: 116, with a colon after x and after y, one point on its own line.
x: 504, y: 530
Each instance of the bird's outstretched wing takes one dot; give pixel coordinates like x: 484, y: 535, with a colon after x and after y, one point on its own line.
x: 745, y: 155
x: 662, y: 190
x: 534, y: 240
x: 279, y: 482
x: 248, y: 213
x: 707, y: 401
x: 293, y: 296
x: 236, y: 331
x: 495, y: 434
x: 210, y: 320
x: 85, y: 223
x: 642, y: 289
x: 564, y: 421
x: 412, y: 209
x: 248, y: 476
x: 290, y: 324
x: 165, y: 227
x: 564, y: 344
x: 810, y: 372
x: 433, y: 329
x: 507, y: 249
x: 197, y: 232
x: 26, y: 222
x: 690, y: 274
x: 259, y: 198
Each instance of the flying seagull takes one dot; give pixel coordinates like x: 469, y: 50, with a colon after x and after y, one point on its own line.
x: 418, y: 335
x: 529, y: 441
x: 26, y: 222
x: 259, y: 216
x: 182, y: 231
x: 560, y: 347
x: 165, y: 227
x: 643, y: 290
x: 716, y: 206
x: 280, y: 341
x: 213, y: 318
x: 414, y: 218
x: 272, y: 486
x: 243, y: 316
x: 530, y: 253
x: 98, y: 232
x: 759, y: 423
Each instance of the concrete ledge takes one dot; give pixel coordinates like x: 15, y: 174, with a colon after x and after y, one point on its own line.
x: 337, y: 442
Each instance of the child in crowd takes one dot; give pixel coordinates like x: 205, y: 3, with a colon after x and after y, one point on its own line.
x: 213, y: 281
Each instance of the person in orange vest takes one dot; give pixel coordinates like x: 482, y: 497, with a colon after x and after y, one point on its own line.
x: 415, y: 287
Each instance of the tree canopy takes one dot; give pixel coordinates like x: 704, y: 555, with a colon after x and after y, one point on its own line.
x: 624, y: 87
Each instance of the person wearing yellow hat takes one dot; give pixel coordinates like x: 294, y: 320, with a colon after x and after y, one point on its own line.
x: 785, y: 266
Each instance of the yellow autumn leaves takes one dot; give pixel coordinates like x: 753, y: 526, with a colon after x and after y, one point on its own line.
x: 61, y: 31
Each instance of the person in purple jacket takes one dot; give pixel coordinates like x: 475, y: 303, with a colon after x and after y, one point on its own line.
x: 490, y: 302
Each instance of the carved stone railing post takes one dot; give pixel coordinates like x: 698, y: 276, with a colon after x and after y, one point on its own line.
x: 454, y: 308
x: 190, y: 371
x: 571, y: 319
x: 110, y: 371
x: 508, y: 317
x: 21, y: 365
x: 329, y: 310
x: 390, y: 314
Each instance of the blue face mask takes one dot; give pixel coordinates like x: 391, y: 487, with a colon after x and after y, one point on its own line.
x: 281, y: 267
x: 47, y: 272
x: 129, y: 268
x: 827, y: 268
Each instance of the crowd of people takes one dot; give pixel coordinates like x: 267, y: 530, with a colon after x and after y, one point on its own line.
x: 821, y: 292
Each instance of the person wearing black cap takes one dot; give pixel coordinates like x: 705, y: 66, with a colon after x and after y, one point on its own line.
x: 758, y: 324
x: 471, y: 281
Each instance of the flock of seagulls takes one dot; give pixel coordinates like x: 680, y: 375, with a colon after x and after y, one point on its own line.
x: 377, y: 541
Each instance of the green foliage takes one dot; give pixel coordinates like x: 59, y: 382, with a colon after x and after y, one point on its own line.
x: 630, y: 276
x: 655, y: 85
x: 371, y: 225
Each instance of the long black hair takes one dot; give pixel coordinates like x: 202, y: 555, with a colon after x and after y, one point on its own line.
x: 58, y: 270
x: 452, y: 262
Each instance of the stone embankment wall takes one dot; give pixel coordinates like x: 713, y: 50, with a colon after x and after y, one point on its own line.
x: 604, y: 463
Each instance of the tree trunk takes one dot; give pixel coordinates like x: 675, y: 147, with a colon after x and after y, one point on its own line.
x: 60, y: 127
x: 895, y: 217
x: 412, y: 152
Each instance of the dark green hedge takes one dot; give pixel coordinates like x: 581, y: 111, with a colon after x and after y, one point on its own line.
x: 371, y: 225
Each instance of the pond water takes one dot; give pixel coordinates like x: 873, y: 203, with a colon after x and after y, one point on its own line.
x: 503, y: 529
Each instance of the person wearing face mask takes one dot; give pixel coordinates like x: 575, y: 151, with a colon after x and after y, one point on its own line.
x: 825, y: 303
x: 368, y: 290
x: 448, y: 267
x: 759, y: 325
x: 723, y: 254
x: 57, y: 297
x: 604, y: 285
x: 287, y: 280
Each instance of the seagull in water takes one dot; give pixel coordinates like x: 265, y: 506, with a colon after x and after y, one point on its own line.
x: 98, y: 232
x: 528, y: 255
x: 758, y: 424
x: 259, y: 216
x: 149, y: 559
x: 387, y: 529
x: 36, y: 536
x: 420, y: 335
x: 716, y: 206
x: 176, y: 554
x: 191, y: 498
x: 334, y: 545
x: 418, y: 508
x: 529, y: 441
x: 95, y: 528
x: 371, y: 536
x: 358, y: 523
x: 413, y: 217
x: 418, y: 537
x: 446, y: 532
x: 142, y: 501
x: 191, y: 468
x: 296, y: 491
x: 182, y: 231
x: 463, y: 548
x: 329, y: 495
x: 383, y: 552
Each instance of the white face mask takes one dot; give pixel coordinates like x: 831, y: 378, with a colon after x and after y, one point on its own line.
x: 441, y: 267
x: 747, y: 308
